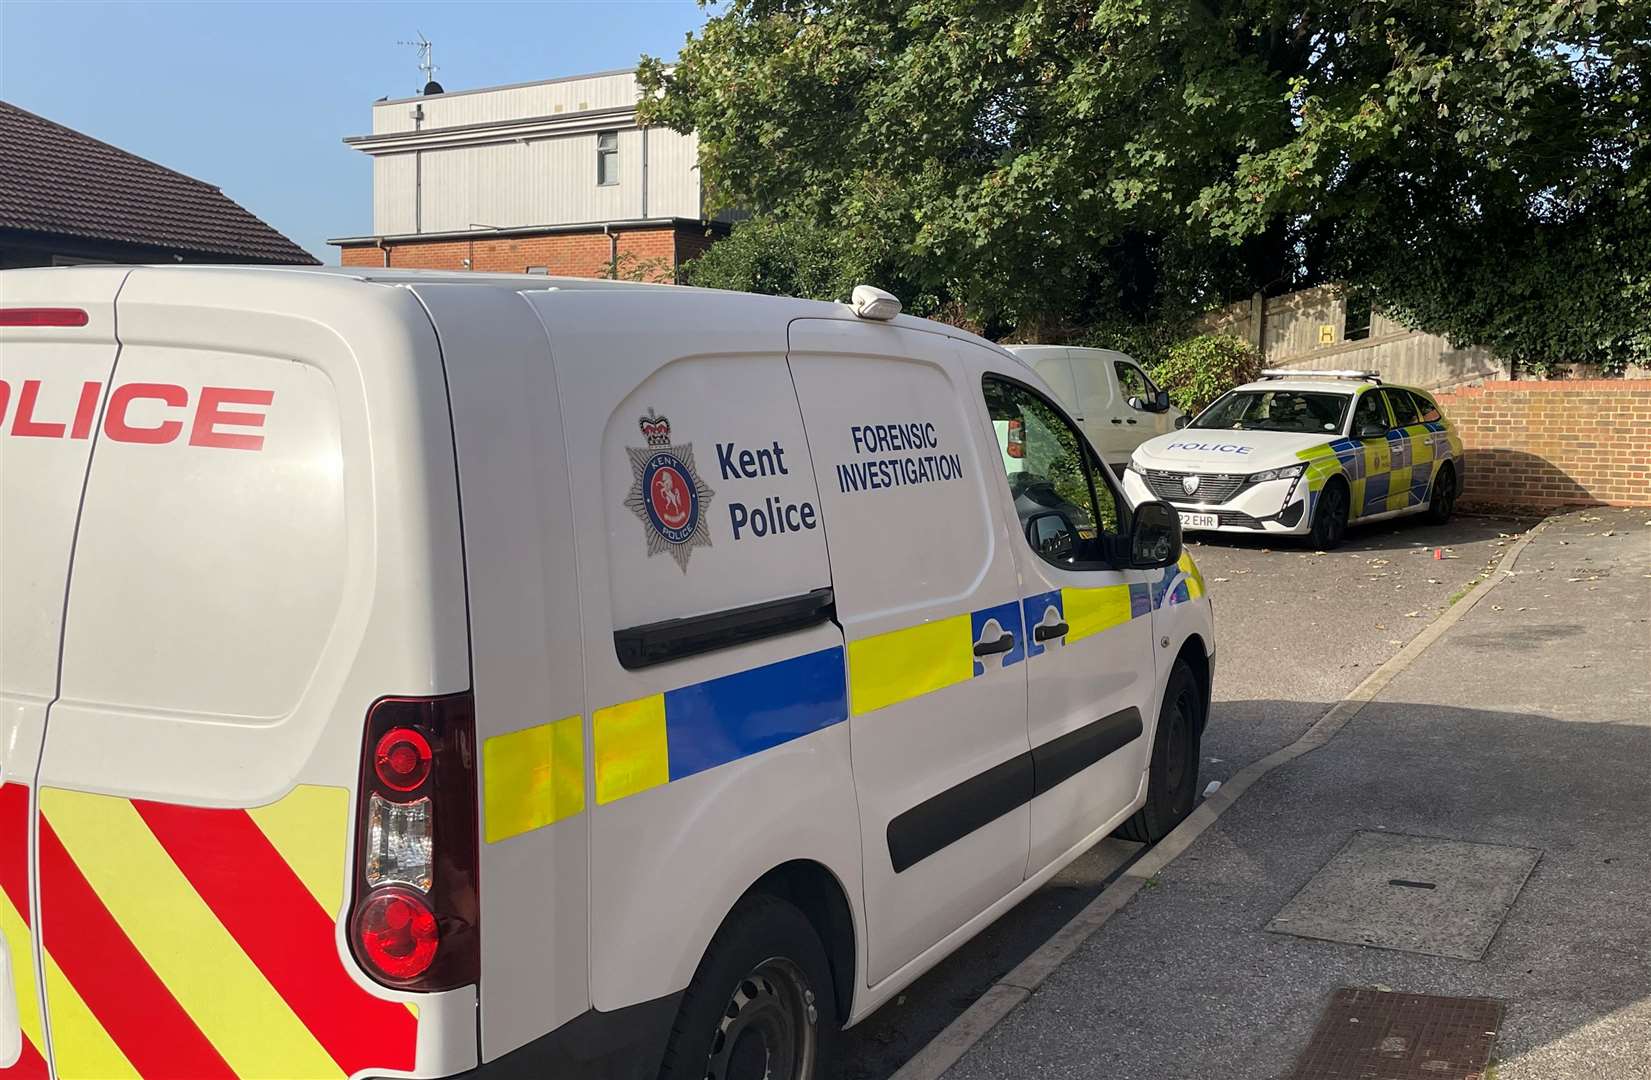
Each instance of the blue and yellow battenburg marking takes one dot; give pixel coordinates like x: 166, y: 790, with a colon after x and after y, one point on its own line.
x: 654, y: 740
x: 1382, y: 474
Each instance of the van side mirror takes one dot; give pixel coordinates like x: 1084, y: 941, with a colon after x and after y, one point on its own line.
x: 1161, y: 400
x: 1155, y: 536
x: 1052, y: 535
x: 1182, y: 421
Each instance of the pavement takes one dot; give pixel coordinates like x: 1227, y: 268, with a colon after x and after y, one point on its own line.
x: 1525, y: 725
x: 1295, y: 630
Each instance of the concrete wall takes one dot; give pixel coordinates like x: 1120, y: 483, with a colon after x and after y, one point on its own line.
x: 1541, y: 444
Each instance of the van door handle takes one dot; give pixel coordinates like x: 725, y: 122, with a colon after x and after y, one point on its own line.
x: 992, y: 648
x: 1131, y: 420
x: 1044, y: 633
x: 1115, y: 420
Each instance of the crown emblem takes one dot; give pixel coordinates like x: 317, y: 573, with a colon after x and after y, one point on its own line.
x: 655, y: 429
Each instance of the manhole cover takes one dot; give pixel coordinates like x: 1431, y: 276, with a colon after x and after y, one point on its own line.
x: 1410, y: 893
x: 1376, y: 1035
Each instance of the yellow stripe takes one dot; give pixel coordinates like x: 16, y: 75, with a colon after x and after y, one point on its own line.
x: 81, y: 1049
x: 1398, y: 488
x: 1092, y: 611
x: 533, y: 777
x: 20, y: 952
x: 631, y: 752
x: 310, y: 828
x: 903, y: 664
x: 205, y: 970
x: 1195, y: 579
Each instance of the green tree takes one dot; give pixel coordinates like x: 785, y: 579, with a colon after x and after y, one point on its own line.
x: 1482, y: 167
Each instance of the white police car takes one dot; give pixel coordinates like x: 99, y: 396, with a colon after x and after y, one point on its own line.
x: 1305, y: 453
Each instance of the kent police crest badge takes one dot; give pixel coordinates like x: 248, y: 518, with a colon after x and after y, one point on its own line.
x: 667, y: 493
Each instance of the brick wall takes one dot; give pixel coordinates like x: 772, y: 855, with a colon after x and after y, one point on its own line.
x: 1545, y: 444
x: 652, y: 254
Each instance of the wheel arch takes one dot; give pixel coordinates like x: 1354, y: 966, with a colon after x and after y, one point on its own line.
x: 814, y: 890
x: 1195, y: 652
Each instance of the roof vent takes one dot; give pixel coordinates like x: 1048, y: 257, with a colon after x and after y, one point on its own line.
x: 870, y: 302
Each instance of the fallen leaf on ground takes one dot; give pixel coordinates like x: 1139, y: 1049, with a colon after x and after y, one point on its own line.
x: 1412, y: 614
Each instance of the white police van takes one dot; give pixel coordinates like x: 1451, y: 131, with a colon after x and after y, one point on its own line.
x: 422, y: 675
x: 1305, y: 453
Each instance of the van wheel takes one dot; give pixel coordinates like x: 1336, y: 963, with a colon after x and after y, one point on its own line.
x: 1442, y: 503
x: 1330, y: 518
x: 761, y: 1005
x: 1172, y: 778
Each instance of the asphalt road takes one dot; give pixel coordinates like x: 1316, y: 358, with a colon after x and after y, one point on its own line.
x: 1527, y: 726
x: 1295, y: 630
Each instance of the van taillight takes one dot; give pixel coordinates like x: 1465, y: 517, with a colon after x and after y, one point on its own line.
x: 1017, y: 439
x: 42, y: 316
x: 413, y: 920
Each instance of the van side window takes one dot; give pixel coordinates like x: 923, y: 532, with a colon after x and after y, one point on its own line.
x: 1063, y: 507
x: 1132, y: 382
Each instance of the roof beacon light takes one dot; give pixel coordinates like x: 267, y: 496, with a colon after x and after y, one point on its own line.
x: 870, y: 302
x: 1304, y: 373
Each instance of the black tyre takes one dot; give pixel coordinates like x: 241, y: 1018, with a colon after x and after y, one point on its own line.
x: 1172, y: 778
x: 761, y: 1005
x: 1330, y: 517
x: 1442, y: 503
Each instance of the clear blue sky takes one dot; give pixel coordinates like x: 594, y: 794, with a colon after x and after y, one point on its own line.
x: 254, y: 97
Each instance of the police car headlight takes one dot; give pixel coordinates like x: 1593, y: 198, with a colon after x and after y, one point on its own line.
x: 1286, y: 473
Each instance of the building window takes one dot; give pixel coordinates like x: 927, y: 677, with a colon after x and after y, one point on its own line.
x: 607, y: 157
x: 1356, y: 327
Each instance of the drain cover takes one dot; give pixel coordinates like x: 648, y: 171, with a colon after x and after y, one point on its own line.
x: 1410, y: 893
x: 1375, y: 1035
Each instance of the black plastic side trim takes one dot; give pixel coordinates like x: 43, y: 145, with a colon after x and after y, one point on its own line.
x: 674, y: 639
x: 626, y: 1044
x: 1061, y: 759
x: 944, y: 819
x: 948, y: 817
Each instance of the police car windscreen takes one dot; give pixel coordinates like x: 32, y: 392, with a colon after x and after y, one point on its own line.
x: 1276, y: 410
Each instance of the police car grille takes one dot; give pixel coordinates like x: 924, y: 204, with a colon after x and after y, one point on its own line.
x: 1212, y: 487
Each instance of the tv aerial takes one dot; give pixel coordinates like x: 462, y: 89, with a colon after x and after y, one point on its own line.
x: 425, y: 64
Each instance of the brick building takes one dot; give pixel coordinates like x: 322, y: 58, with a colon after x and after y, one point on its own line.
x: 548, y: 177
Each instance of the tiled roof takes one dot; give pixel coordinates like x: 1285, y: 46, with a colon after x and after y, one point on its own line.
x: 55, y: 180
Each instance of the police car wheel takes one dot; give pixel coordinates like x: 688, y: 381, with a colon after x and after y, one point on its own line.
x: 1330, y: 519
x: 1172, y: 779
x: 1443, y: 501
x: 761, y: 1005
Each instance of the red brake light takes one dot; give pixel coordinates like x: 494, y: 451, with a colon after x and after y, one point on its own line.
x: 415, y: 928
x: 42, y: 316
x: 398, y: 932
x: 1017, y: 439
x: 402, y: 759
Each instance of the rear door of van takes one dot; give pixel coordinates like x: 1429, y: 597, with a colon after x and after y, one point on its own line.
x: 268, y: 543
x: 57, y: 347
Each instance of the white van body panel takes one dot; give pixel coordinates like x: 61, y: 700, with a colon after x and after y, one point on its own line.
x: 302, y: 491
x: 713, y: 365
x: 1085, y: 381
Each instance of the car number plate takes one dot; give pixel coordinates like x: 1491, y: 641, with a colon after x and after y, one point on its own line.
x: 1199, y: 521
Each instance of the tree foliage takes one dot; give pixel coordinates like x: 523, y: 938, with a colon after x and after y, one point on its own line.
x: 1482, y: 167
x: 1200, y: 369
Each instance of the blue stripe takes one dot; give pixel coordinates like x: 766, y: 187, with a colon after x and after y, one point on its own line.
x: 722, y: 720
x: 1396, y: 434
x: 1160, y: 588
x: 1008, y: 618
x: 1375, y: 492
x: 1140, y: 599
x: 1343, y: 446
x: 1035, y: 607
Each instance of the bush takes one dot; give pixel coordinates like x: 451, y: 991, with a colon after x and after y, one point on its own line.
x: 1198, y: 370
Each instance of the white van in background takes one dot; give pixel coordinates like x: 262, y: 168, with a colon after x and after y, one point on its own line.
x: 1108, y: 394
x: 417, y: 675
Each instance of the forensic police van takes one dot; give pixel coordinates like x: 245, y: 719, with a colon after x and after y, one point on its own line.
x: 1305, y: 453
x: 422, y: 675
